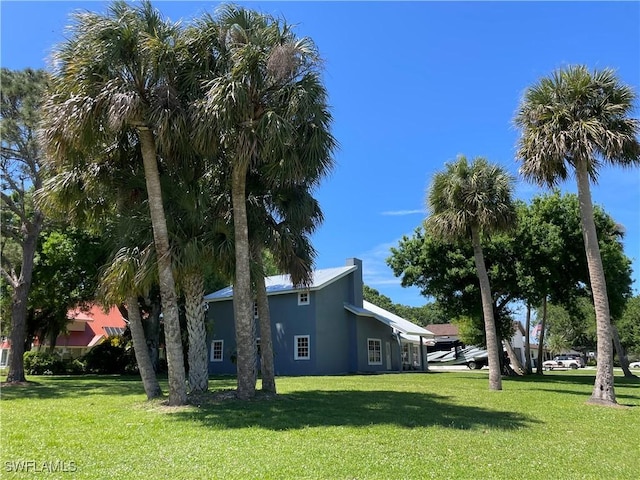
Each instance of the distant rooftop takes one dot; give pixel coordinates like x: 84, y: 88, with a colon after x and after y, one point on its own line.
x: 443, y: 329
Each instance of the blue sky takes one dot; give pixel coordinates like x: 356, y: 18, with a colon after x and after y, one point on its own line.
x: 412, y: 85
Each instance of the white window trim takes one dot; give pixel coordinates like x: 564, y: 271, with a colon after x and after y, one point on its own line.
x: 304, y: 302
x: 213, y: 359
x: 295, y: 347
x: 369, y: 351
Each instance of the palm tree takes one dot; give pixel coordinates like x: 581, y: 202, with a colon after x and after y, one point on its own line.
x: 106, y: 196
x: 264, y: 98
x: 199, y: 231
x: 578, y: 121
x: 472, y: 200
x: 128, y: 274
x: 115, y: 74
x: 282, y: 222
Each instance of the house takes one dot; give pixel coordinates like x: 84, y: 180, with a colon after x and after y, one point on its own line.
x: 518, y: 342
x: 86, y: 329
x: 324, y: 329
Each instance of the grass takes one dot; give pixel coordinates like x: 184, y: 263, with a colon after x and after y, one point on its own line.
x: 438, y: 425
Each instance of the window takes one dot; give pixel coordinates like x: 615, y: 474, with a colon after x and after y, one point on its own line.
x: 258, y: 348
x: 255, y: 310
x: 375, y: 351
x: 303, y: 298
x: 302, y: 349
x: 216, y: 350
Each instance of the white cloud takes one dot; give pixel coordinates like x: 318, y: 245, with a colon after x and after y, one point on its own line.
x: 403, y: 212
x: 375, y: 270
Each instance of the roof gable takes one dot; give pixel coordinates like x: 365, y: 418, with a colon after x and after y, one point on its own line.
x: 279, y: 284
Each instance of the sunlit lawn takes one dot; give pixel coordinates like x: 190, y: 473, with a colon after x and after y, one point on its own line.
x: 437, y: 425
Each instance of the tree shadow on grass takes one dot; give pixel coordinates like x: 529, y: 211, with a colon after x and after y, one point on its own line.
x: 568, y: 381
x: 350, y: 408
x: 567, y: 378
x: 74, y: 386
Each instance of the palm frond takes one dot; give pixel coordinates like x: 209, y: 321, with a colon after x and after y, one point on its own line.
x: 572, y: 116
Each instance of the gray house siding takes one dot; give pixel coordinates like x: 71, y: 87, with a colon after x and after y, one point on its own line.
x: 367, y: 329
x: 288, y: 320
x: 218, y: 316
x: 332, y: 331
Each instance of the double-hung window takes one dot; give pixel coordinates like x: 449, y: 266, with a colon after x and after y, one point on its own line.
x: 302, y: 347
x: 216, y: 350
x: 374, y: 349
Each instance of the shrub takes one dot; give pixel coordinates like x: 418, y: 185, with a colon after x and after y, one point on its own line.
x: 111, y: 356
x: 43, y: 363
x: 75, y: 367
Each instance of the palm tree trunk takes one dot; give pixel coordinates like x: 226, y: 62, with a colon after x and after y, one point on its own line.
x: 543, y: 326
x: 527, y: 343
x: 151, y: 325
x: 143, y: 359
x: 19, y: 299
x: 622, y: 355
x: 495, y: 379
x: 513, y: 358
x: 266, y: 340
x: 242, y: 299
x: 173, y: 340
x: 197, y: 354
x: 603, y: 389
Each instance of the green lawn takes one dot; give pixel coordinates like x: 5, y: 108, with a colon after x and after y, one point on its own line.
x: 438, y: 425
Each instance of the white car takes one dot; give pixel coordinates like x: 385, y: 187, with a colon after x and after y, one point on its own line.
x: 634, y: 365
x: 562, y: 361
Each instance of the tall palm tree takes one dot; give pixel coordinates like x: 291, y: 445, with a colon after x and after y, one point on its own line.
x: 108, y: 197
x: 577, y: 121
x: 264, y: 98
x: 115, y: 73
x: 471, y: 200
x: 281, y: 221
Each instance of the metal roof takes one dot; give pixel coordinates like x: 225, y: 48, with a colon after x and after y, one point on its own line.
x: 394, y: 321
x: 279, y: 284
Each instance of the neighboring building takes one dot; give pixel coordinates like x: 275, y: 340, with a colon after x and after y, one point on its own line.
x: 445, y: 336
x: 518, y: 342
x: 324, y: 329
x: 86, y: 329
x: 5, y: 348
x: 447, y: 339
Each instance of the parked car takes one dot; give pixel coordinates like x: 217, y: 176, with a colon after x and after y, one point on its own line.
x: 563, y: 361
x: 634, y: 365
